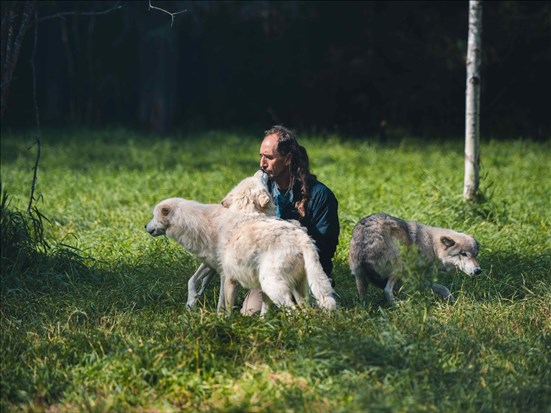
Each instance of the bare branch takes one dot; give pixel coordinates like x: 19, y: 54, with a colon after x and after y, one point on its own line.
x: 8, y: 81
x: 35, y: 169
x: 172, y: 15
x: 117, y: 6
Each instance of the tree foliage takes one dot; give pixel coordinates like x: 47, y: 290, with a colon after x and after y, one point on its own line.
x: 355, y: 67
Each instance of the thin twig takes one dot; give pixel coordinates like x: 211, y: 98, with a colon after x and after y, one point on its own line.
x: 35, y: 169
x: 172, y: 15
x: 78, y: 13
x: 8, y: 81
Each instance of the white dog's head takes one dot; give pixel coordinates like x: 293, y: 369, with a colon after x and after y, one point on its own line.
x: 458, y: 251
x: 161, y: 217
x: 251, y: 196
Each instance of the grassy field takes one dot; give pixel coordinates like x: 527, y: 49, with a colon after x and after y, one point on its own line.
x: 97, y: 321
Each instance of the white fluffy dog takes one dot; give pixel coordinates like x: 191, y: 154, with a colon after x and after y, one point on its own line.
x: 254, y: 251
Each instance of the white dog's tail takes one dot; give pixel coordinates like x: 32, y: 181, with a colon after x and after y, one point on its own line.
x: 318, y: 281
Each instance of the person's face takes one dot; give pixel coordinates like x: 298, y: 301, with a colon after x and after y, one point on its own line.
x: 271, y: 162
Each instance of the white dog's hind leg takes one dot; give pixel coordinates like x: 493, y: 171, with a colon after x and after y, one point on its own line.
x: 231, y: 288
x: 300, y: 299
x: 280, y: 296
x: 221, y: 298
x: 442, y: 292
x: 266, y: 303
x: 300, y: 293
x: 273, y: 282
x: 204, y: 274
x: 207, y: 277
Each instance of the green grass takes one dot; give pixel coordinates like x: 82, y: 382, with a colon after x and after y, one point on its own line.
x: 97, y: 321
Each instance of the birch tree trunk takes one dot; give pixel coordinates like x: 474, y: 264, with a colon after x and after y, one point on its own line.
x: 472, y: 104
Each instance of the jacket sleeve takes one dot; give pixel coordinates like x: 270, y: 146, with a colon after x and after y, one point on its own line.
x: 323, y: 224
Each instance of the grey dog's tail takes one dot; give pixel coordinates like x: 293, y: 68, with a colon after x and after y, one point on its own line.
x: 318, y: 281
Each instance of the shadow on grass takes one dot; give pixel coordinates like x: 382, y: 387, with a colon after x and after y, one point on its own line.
x: 508, y: 275
x: 37, y: 276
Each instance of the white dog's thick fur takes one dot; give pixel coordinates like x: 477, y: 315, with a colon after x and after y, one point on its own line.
x: 255, y: 251
x: 249, y: 197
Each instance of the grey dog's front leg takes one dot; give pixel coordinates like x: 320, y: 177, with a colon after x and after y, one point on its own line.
x: 443, y: 292
x: 204, y: 274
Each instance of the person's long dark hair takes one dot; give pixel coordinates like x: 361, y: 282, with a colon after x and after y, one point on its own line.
x: 300, y: 164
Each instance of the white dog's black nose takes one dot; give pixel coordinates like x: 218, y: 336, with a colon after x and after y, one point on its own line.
x: 477, y: 271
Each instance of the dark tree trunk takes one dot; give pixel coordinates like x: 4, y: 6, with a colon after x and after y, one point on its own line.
x: 16, y: 20
x: 158, y: 80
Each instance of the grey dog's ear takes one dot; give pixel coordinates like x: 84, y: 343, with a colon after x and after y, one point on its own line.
x: 165, y: 211
x: 447, y: 241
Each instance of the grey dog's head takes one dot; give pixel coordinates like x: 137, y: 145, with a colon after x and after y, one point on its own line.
x: 458, y: 250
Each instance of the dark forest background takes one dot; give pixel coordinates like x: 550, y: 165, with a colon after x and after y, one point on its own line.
x: 356, y: 68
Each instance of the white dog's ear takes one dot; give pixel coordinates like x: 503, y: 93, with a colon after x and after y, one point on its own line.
x: 165, y: 211
x: 226, y: 202
x: 447, y: 242
x: 264, y: 200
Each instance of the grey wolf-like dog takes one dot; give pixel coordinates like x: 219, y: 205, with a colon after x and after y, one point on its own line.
x: 375, y: 252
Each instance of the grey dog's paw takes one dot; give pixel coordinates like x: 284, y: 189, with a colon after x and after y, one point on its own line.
x: 450, y: 299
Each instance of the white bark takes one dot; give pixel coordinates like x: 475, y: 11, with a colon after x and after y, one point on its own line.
x: 472, y: 104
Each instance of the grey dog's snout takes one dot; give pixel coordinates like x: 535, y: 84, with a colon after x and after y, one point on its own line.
x: 477, y: 271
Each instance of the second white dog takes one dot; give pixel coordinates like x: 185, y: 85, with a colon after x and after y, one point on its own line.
x: 249, y: 197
